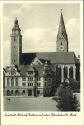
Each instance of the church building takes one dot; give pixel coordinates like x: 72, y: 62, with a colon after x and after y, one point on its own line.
x: 35, y: 74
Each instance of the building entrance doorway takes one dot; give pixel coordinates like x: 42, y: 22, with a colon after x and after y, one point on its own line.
x: 29, y: 92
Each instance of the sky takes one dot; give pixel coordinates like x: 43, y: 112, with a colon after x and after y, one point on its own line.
x: 39, y: 26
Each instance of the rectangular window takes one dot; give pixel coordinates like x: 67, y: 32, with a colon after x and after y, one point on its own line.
x: 12, y: 81
x: 45, y: 83
x: 30, y: 78
x: 16, y: 81
x: 30, y: 72
x: 28, y: 84
x: 24, y: 78
x: 8, y: 84
x: 14, y: 39
x: 23, y: 84
x: 38, y: 92
x: 39, y: 84
x: 39, y: 78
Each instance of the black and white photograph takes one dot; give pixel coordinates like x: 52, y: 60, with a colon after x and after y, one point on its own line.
x: 41, y: 57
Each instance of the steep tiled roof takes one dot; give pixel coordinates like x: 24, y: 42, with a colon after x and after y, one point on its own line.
x: 58, y: 57
x: 53, y: 57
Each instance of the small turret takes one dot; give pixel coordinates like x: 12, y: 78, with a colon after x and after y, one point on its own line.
x: 16, y: 21
x: 16, y: 27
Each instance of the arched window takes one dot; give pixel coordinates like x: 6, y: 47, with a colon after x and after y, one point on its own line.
x: 65, y: 72
x: 71, y: 72
x: 16, y: 81
x: 12, y: 81
x: 11, y: 92
x: 23, y: 92
x: 8, y: 93
x: 16, y: 92
x: 8, y: 84
x: 58, y: 74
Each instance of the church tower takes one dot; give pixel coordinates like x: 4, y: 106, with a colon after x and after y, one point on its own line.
x: 62, y: 39
x: 16, y: 44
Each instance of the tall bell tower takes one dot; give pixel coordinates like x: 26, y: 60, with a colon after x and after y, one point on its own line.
x: 62, y: 39
x: 16, y: 44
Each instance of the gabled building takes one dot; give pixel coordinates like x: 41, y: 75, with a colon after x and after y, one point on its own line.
x: 28, y: 80
x: 35, y: 74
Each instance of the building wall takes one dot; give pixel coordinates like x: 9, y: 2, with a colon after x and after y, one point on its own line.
x: 68, y: 70
x: 33, y: 85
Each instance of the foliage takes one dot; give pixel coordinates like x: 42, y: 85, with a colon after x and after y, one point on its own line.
x: 66, y: 100
x: 75, y: 85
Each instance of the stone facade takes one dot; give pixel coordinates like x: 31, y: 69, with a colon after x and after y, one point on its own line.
x: 27, y: 82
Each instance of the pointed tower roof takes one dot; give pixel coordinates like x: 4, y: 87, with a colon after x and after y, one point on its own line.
x: 62, y: 29
x: 16, y: 21
x: 16, y: 25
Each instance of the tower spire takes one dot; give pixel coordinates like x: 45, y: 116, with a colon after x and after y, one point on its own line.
x: 61, y: 29
x: 62, y: 35
x: 16, y: 26
x: 16, y: 20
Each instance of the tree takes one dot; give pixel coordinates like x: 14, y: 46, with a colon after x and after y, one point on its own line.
x: 66, y: 100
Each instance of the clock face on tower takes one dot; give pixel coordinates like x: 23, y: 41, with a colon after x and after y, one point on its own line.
x: 61, y: 47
